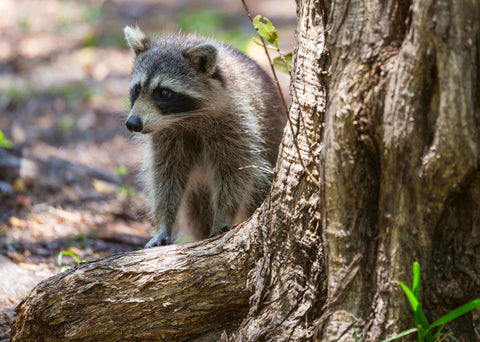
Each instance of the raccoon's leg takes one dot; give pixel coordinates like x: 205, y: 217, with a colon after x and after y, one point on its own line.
x: 165, y: 190
x: 163, y: 236
x: 166, y: 200
x: 238, y: 193
x: 224, y: 213
x: 229, y: 194
x: 221, y: 224
x: 199, y: 211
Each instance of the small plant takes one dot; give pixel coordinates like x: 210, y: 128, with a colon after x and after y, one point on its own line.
x: 355, y: 336
x: 265, y: 29
x: 91, y: 40
x: 60, y: 256
x: 122, y: 170
x: 24, y: 24
x: 127, y: 191
x: 185, y: 239
x: 127, y: 187
x: 4, y: 142
x: 80, y: 240
x: 18, y: 93
x: 67, y: 123
x: 267, y: 33
x: 425, y: 331
x: 72, y: 93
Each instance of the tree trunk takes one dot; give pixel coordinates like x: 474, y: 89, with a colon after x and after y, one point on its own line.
x: 379, y: 168
x: 400, y: 161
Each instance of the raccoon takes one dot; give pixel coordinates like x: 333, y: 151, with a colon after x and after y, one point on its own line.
x: 205, y: 111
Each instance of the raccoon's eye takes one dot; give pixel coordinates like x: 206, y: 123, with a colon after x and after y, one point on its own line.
x: 136, y: 89
x: 164, y: 93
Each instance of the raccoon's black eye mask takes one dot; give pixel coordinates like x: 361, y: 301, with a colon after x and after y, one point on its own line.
x: 170, y: 102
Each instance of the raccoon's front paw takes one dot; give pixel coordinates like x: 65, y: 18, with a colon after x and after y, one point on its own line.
x: 158, y: 241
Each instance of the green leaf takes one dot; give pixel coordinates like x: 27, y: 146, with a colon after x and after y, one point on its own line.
x: 416, y: 279
x: 418, y: 313
x: 410, y: 296
x: 280, y: 64
x: 416, y: 287
x: 456, y: 313
x: 122, y: 170
x: 185, y: 239
x: 355, y: 336
x: 127, y: 191
x: 438, y: 333
x: 257, y: 41
x: 4, y: 142
x: 403, y: 333
x: 265, y: 28
x: 62, y: 253
x: 451, y: 337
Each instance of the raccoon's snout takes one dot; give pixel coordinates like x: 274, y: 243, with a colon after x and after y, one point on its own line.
x: 134, y: 124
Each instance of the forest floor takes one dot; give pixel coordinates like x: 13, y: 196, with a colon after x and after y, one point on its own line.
x: 69, y: 182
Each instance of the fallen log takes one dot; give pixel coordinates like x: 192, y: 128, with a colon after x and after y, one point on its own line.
x: 15, y: 163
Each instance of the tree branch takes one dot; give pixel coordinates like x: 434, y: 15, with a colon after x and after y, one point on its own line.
x: 171, y: 293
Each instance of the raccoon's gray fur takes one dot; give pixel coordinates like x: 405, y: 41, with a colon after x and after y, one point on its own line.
x: 206, y: 111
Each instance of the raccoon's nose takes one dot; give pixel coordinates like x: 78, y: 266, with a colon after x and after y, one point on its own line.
x: 134, y: 124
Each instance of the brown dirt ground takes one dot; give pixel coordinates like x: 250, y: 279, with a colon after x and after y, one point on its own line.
x: 64, y: 77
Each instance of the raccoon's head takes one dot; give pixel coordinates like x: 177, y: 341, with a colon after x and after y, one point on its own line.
x: 174, y: 79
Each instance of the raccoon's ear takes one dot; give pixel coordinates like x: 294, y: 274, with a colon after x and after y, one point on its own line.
x: 136, y: 39
x: 202, y: 57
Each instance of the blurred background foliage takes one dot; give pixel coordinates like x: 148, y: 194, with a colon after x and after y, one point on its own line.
x: 69, y: 58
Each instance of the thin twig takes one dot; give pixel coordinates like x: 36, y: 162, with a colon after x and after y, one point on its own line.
x: 294, y: 137
x: 284, y: 103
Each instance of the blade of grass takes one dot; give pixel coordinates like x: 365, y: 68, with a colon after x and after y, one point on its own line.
x: 62, y: 253
x: 418, y: 313
x: 438, y: 333
x: 416, y: 279
x: 451, y: 337
x: 455, y: 313
x: 403, y: 333
x: 355, y: 336
x: 416, y: 287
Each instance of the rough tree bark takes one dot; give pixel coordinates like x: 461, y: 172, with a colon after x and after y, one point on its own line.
x: 401, y: 162
x: 380, y: 168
